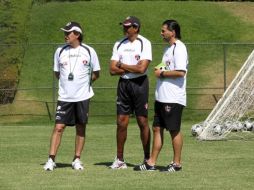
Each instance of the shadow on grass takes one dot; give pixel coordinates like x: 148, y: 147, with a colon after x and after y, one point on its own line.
x: 110, y: 163
x: 107, y: 164
x: 60, y: 165
x: 63, y: 165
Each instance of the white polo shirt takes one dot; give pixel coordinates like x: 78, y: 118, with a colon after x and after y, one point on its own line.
x: 131, y: 53
x: 80, y: 61
x: 173, y: 90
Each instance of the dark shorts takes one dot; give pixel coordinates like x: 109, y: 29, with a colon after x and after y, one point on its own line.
x: 132, y: 96
x: 168, y: 115
x: 71, y: 113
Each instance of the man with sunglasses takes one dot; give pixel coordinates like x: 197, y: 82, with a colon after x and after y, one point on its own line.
x: 130, y: 60
x: 76, y: 65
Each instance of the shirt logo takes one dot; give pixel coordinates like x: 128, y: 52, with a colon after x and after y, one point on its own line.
x: 129, y: 50
x: 167, y: 108
x: 146, y: 106
x: 137, y: 57
x: 58, y: 118
x: 74, y: 55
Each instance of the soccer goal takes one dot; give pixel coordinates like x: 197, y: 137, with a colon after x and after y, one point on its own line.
x: 234, y: 113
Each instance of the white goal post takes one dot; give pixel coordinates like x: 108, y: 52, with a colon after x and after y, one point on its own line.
x: 235, y: 110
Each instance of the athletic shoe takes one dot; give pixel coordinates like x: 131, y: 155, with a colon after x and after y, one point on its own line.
x: 144, y: 167
x: 173, y: 168
x: 118, y: 164
x: 49, y: 165
x: 77, y: 164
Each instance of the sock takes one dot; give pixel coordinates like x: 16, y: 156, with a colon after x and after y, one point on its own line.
x: 52, y: 157
x: 147, y: 156
x: 76, y: 157
x: 120, y: 158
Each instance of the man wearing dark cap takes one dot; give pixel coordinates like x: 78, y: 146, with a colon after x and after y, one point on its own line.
x: 76, y: 65
x: 130, y: 60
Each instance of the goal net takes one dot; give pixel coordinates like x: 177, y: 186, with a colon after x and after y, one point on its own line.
x: 234, y: 113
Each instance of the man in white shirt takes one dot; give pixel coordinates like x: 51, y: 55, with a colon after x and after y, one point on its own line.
x: 130, y: 59
x: 170, y: 97
x: 76, y: 65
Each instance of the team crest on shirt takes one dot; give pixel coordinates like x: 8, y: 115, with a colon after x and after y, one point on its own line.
x: 167, y: 108
x: 146, y: 106
x: 167, y: 65
x: 137, y: 57
x: 84, y: 62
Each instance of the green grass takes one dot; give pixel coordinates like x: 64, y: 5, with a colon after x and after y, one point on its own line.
x: 101, y: 26
x: 206, y: 165
x: 24, y: 147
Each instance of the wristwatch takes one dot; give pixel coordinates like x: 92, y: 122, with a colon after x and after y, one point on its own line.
x: 161, y: 74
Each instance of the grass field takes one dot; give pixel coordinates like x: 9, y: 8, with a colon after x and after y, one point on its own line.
x: 24, y: 139
x: 102, y: 30
x: 206, y: 165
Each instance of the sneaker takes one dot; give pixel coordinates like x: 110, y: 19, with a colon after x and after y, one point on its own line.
x: 173, y: 168
x: 77, y: 164
x: 118, y: 164
x: 144, y: 167
x: 49, y: 165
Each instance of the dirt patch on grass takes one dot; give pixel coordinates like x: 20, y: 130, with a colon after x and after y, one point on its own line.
x: 245, y: 11
x: 214, y: 77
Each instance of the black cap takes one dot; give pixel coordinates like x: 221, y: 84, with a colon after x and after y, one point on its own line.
x: 72, y: 26
x: 131, y: 21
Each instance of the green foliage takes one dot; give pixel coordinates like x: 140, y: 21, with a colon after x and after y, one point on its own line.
x: 13, y: 18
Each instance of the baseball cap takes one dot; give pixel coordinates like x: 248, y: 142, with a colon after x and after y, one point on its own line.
x: 72, y: 26
x: 131, y: 21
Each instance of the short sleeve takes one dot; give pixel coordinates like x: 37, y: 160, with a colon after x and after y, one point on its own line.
x: 94, y: 60
x: 115, y: 55
x: 180, y: 58
x: 147, y: 51
x: 56, y: 60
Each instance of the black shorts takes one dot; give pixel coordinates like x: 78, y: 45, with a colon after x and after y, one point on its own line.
x: 168, y: 115
x: 132, y: 96
x: 71, y: 113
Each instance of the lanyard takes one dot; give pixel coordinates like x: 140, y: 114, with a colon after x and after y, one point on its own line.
x: 71, y: 71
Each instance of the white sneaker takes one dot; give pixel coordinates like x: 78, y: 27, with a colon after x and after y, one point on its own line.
x: 77, y: 164
x: 118, y: 164
x: 50, y: 165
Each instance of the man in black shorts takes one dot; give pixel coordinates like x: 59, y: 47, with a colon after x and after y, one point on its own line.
x: 170, y: 97
x: 76, y: 65
x: 130, y: 59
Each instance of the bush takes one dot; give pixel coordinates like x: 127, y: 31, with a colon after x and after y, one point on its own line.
x: 13, y: 18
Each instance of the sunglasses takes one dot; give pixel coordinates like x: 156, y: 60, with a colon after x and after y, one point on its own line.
x: 127, y: 27
x: 67, y: 33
